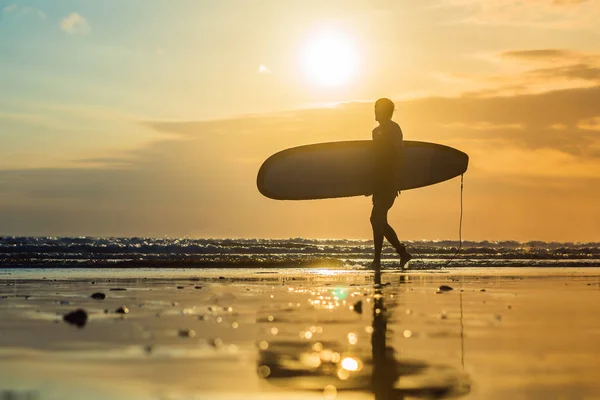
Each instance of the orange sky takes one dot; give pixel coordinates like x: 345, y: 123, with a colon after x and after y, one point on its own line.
x: 156, y: 123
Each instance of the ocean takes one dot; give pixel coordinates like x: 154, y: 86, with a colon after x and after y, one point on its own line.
x: 132, y: 252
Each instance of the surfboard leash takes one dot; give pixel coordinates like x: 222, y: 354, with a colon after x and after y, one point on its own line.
x: 459, y: 229
x: 459, y: 223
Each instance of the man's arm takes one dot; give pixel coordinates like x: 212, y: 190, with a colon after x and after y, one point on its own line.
x: 399, y: 151
x: 375, y: 135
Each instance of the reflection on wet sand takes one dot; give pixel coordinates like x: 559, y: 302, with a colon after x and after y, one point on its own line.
x: 528, y: 333
x: 333, y: 366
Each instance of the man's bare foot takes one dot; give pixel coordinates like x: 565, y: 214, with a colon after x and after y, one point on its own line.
x: 377, y: 279
x: 405, y: 256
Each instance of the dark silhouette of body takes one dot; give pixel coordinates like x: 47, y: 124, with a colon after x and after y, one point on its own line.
x: 388, y: 141
x: 385, y: 365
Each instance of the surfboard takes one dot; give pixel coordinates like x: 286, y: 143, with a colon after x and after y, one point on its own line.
x: 345, y: 169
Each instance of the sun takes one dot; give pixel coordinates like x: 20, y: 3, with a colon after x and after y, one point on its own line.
x: 330, y: 59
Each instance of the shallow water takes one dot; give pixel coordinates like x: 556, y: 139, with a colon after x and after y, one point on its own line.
x: 286, y: 333
x: 46, y: 252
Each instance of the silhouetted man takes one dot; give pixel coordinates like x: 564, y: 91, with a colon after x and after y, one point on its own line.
x: 388, y: 141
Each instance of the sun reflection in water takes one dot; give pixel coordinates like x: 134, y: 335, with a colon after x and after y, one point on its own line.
x: 352, y: 338
x: 326, y: 272
x: 350, y: 364
x: 330, y: 392
x: 336, y: 359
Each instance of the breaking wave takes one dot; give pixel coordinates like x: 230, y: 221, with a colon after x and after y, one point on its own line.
x: 186, y: 252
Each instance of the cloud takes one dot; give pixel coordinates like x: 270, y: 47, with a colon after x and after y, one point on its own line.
x: 545, y: 14
x: 482, y: 126
x: 263, y: 69
x: 592, y: 124
x: 533, y: 114
x: 74, y: 23
x: 24, y: 11
x: 536, y: 71
x: 582, y: 72
x: 10, y: 8
x: 568, y: 2
x: 543, y: 55
x: 559, y: 127
x: 529, y: 154
x: 551, y: 56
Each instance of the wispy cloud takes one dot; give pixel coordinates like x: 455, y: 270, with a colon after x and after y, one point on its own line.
x: 544, y: 55
x: 592, y: 124
x: 263, y: 69
x: 535, y: 71
x: 555, y: 56
x: 74, y: 23
x: 9, y: 8
x: 522, y: 148
x: 23, y: 11
x: 551, y: 14
x: 569, y: 2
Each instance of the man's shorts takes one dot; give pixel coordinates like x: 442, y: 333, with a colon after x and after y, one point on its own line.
x: 384, y: 198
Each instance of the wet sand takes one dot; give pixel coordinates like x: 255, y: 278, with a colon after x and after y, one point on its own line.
x: 301, y: 334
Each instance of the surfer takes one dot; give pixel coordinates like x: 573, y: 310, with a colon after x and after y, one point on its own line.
x: 389, y: 145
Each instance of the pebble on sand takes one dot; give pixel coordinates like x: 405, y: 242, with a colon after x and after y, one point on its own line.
x: 122, y: 310
x: 98, y: 296
x: 187, y: 333
x: 117, y: 289
x: 78, y: 318
x: 357, y: 307
x: 445, y: 288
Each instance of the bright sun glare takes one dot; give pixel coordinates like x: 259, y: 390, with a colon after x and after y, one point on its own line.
x: 330, y: 59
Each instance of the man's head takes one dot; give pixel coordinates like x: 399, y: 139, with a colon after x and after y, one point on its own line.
x: 384, y: 108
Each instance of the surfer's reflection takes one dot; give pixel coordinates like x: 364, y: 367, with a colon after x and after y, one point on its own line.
x: 384, y: 364
x: 319, y: 365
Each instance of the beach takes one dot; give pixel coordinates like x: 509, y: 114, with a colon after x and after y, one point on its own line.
x: 264, y: 333
x: 299, y: 200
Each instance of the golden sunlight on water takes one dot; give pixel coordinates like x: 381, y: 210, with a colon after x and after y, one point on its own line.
x: 268, y: 335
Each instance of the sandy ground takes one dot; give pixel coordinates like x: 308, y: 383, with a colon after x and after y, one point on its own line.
x: 301, y: 334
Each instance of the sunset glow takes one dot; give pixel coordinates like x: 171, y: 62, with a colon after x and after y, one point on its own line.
x: 310, y: 199
x: 330, y: 59
x: 153, y: 119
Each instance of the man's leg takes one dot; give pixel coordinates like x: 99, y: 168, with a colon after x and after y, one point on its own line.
x: 386, y: 203
x: 391, y: 236
x: 378, y: 222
